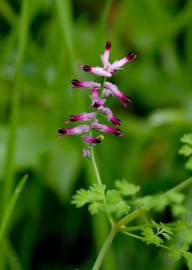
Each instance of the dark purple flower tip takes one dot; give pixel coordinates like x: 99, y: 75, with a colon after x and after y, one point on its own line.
x: 118, y: 132
x: 115, y: 120
x: 62, y: 131
x: 131, y: 56
x: 87, y: 68
x: 125, y: 100
x: 76, y: 83
x: 108, y: 45
x: 98, y: 103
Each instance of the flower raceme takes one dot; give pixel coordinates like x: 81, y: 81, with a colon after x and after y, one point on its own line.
x: 99, y: 93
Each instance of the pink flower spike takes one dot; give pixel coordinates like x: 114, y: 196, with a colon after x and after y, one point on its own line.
x: 82, y: 117
x: 119, y: 63
x: 74, y: 130
x: 116, y: 92
x: 92, y: 140
x: 97, y: 71
x: 105, y: 56
x: 87, y: 84
x: 86, y: 153
x: 110, y: 116
x: 106, y: 129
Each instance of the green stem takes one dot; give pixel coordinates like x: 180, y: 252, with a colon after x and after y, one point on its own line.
x: 15, y: 106
x: 65, y: 19
x: 181, y: 186
x: 132, y: 216
x: 95, y: 167
x: 104, y: 249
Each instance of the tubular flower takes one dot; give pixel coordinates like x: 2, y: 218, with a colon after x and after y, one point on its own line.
x: 110, y: 116
x: 100, y: 93
x: 105, y: 56
x: 81, y: 117
x: 86, y: 84
x: 106, y: 129
x: 92, y: 140
x: 74, y: 130
x: 96, y: 100
x: 119, y: 63
x: 96, y: 70
x: 116, y: 92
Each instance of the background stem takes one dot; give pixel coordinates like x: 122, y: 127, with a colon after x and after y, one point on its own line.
x: 15, y: 108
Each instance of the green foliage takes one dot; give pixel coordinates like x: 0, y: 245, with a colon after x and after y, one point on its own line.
x: 158, y: 202
x: 177, y: 253
x: 115, y: 201
x: 94, y: 196
x: 186, y: 149
x: 150, y: 237
x: 125, y: 188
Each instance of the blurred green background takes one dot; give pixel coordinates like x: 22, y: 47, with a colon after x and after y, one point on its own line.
x: 41, y: 44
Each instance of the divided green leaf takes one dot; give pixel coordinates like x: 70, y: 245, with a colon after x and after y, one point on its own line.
x: 95, y: 194
x: 126, y: 188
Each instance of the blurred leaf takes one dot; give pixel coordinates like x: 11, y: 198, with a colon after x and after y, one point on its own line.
x: 125, y: 188
x: 10, y: 207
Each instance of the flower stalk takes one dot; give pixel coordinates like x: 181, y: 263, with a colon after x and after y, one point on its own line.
x: 95, y: 167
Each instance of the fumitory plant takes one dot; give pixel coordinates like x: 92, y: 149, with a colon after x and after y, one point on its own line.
x: 124, y: 207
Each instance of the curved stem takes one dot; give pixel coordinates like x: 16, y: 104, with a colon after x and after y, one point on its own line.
x: 104, y: 249
x: 95, y: 167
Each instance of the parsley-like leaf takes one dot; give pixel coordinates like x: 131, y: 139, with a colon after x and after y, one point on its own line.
x: 95, y: 196
x: 126, y: 188
x: 115, y: 204
x: 150, y: 237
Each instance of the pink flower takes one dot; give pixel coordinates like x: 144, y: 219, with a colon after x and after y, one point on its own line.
x: 116, y: 92
x: 106, y: 129
x: 105, y: 56
x: 106, y: 92
x: 92, y: 140
x: 96, y: 100
x: 86, y: 153
x: 111, y: 68
x: 81, y: 117
x: 119, y: 63
x: 96, y: 70
x: 74, y: 130
x: 87, y: 84
x: 110, y: 116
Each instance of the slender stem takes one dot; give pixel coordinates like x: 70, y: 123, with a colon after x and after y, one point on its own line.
x: 132, y: 216
x: 104, y: 249
x: 133, y: 235
x: 181, y: 186
x: 95, y: 167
